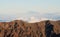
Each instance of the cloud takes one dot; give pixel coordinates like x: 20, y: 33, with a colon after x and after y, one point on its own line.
x: 21, y: 18
x: 32, y: 16
x: 33, y: 19
x: 42, y: 19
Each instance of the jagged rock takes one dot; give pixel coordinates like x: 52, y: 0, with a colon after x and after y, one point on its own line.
x: 19, y: 28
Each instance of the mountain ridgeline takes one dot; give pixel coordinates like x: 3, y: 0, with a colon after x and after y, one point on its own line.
x: 19, y: 28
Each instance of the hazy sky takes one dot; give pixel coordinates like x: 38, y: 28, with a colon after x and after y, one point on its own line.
x: 15, y: 8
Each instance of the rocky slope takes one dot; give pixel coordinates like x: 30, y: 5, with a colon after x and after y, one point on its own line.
x: 19, y: 28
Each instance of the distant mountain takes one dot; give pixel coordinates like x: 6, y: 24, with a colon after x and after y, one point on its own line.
x: 2, y: 21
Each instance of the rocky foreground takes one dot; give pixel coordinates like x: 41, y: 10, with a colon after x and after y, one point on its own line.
x: 19, y: 28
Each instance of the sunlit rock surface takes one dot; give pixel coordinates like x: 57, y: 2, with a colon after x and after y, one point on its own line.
x: 19, y: 28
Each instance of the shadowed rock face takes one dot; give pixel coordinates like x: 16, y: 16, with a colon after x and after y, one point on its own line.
x: 20, y: 28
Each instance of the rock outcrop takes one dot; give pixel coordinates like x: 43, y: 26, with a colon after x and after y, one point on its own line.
x: 19, y: 28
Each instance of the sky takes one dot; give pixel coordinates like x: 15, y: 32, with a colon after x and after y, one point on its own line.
x: 10, y: 9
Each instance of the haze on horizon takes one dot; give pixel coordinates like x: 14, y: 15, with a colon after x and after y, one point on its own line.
x: 25, y: 9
